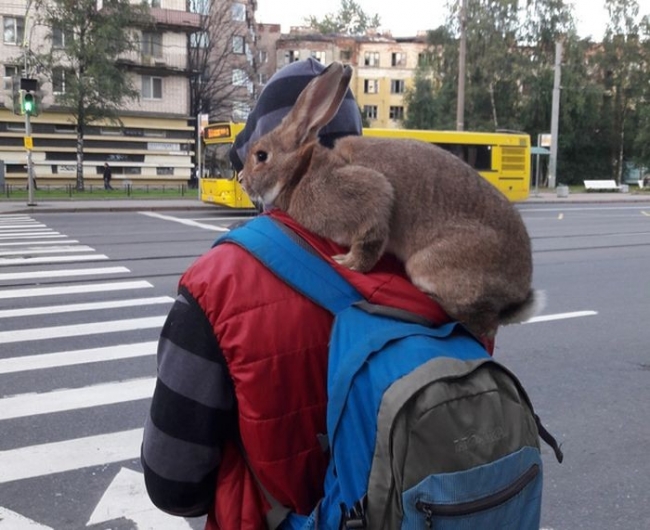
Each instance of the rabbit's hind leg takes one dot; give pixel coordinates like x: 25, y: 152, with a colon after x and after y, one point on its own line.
x: 447, y: 271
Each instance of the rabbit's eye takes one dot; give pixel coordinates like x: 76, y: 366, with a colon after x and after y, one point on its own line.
x: 261, y: 156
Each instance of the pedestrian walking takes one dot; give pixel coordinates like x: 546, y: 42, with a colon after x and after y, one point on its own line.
x: 108, y: 175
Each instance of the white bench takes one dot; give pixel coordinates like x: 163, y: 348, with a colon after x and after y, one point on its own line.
x: 601, y: 185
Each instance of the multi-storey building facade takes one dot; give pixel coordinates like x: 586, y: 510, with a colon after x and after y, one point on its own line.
x: 155, y: 142
x: 383, y: 66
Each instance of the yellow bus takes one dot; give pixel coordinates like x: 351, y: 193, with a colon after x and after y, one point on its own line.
x: 502, y: 158
x: 218, y: 182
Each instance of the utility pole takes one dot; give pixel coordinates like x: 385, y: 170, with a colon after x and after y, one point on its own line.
x: 28, y: 124
x: 555, y: 116
x: 460, y: 102
x: 30, y: 163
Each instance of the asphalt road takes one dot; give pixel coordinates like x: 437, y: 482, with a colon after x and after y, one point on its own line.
x: 75, y: 379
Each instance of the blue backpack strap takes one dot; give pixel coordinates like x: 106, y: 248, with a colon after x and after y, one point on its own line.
x: 303, y: 270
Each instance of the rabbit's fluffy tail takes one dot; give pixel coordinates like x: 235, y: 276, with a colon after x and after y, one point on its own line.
x: 531, y: 306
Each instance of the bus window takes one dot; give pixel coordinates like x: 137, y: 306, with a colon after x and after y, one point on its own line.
x: 217, y: 162
x: 477, y: 156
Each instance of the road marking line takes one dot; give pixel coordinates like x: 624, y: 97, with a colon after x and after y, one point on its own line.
x: 48, y: 250
x: 186, y: 222
x: 51, y: 259
x: 77, y: 330
x: 32, y: 404
x: 15, y: 234
x: 43, y: 361
x: 36, y: 243
x: 57, y: 457
x: 74, y: 289
x: 33, y: 236
x: 89, y: 306
x: 561, y: 316
x: 14, y: 521
x: 645, y: 213
x: 5, y: 276
x: 232, y: 218
x: 560, y: 216
x: 26, y: 226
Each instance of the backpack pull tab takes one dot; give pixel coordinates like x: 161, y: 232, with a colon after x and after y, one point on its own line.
x: 428, y: 512
x: 355, y: 517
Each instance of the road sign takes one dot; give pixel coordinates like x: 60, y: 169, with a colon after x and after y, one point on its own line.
x: 28, y: 142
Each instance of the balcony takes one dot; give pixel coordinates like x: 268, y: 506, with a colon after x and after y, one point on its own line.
x: 165, y: 63
x: 175, y: 20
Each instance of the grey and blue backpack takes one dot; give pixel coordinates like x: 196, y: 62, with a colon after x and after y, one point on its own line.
x: 424, y: 428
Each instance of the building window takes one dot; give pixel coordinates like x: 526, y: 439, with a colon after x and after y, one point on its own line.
x: 200, y: 39
x: 201, y: 7
x: 239, y: 77
x: 238, y: 12
x: 13, y: 30
x: 238, y: 44
x: 396, y: 113
x: 425, y: 59
x: 240, y: 111
x: 370, y: 112
x: 370, y: 86
x: 262, y: 78
x: 161, y: 170
x: 60, y: 37
x: 13, y: 72
x: 151, y: 87
x: 319, y: 56
x: 345, y: 55
x: 291, y: 56
x: 263, y: 56
x: 59, y: 78
x: 151, y: 44
x: 153, y: 3
x: 397, y: 86
x: 398, y: 59
x: 371, y: 59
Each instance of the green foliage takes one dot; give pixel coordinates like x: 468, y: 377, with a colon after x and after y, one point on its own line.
x: 510, y: 65
x: 349, y: 20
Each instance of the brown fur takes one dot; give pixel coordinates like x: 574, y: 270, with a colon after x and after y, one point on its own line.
x: 462, y: 242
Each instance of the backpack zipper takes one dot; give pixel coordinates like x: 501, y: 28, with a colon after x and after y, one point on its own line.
x: 431, y: 510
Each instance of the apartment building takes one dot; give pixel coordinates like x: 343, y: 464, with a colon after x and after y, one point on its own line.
x: 156, y: 141
x: 383, y: 66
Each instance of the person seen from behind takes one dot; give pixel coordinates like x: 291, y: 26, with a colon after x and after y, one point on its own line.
x: 108, y: 174
x: 240, y: 397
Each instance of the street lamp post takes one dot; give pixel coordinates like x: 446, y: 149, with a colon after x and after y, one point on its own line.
x: 460, y: 103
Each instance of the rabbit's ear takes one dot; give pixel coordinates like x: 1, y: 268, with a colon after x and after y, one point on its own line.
x: 318, y: 103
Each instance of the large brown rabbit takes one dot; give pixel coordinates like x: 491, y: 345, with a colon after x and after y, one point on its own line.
x: 461, y: 241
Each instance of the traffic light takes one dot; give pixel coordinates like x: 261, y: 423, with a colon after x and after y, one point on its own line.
x: 28, y: 96
x: 12, y: 94
x: 28, y: 103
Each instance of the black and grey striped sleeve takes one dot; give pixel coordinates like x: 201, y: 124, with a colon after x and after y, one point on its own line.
x: 192, y: 413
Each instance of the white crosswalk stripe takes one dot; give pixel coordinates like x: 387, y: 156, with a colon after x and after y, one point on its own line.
x: 24, y: 242
x: 85, y: 298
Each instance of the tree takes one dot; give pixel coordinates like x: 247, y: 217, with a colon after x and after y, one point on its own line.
x: 430, y: 101
x: 221, y: 62
x: 625, y: 76
x: 349, y: 20
x: 83, y: 60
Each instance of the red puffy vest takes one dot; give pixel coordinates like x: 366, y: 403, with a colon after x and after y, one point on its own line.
x: 275, y: 344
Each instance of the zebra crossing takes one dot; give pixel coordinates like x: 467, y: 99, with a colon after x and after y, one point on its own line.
x: 56, y: 292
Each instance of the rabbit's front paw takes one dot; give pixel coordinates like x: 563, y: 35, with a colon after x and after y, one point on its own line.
x: 348, y: 260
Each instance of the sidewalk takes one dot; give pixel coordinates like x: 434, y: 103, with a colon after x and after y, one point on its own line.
x: 111, y: 205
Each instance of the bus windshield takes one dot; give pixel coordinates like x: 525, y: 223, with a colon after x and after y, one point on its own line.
x: 217, y: 162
